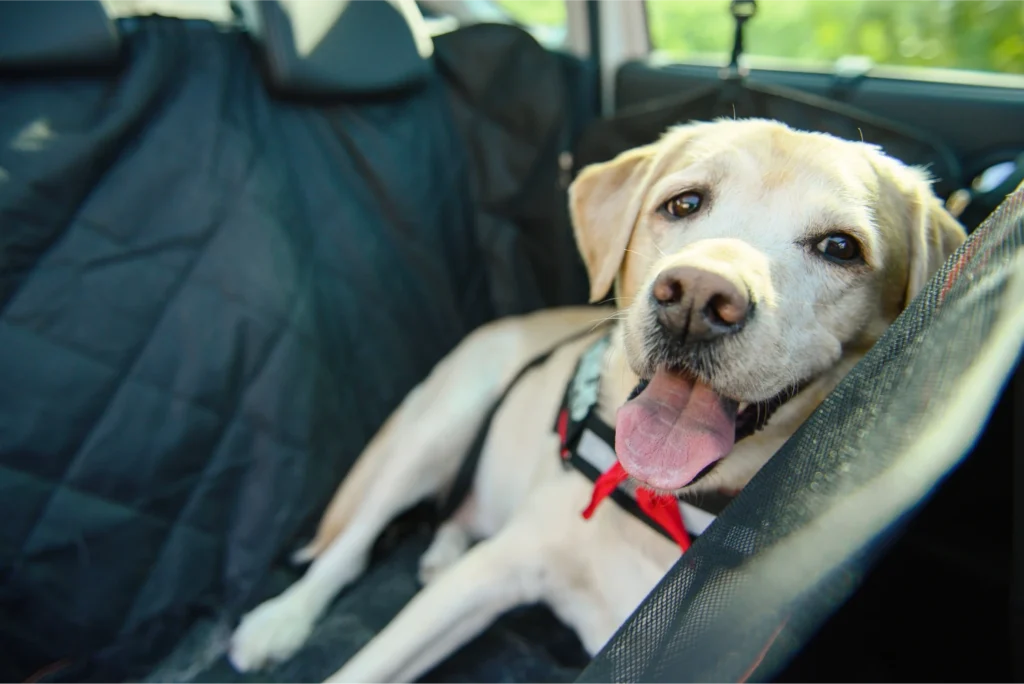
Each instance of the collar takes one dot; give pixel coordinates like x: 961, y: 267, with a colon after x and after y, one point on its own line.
x: 587, y: 444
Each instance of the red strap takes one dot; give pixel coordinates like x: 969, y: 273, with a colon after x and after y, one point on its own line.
x: 605, y: 485
x: 661, y: 508
x: 954, y: 271
x: 664, y: 510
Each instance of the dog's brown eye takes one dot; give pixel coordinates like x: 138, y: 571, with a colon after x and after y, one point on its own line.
x: 839, y: 247
x: 683, y: 204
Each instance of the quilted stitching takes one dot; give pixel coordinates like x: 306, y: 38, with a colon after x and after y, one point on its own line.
x: 214, y: 324
x: 210, y: 299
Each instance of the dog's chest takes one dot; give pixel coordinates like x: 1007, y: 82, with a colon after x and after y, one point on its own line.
x: 548, y: 430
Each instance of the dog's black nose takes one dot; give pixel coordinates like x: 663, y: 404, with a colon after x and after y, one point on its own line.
x: 699, y: 305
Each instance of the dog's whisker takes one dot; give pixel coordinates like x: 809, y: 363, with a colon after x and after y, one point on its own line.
x: 633, y: 251
x: 615, y: 316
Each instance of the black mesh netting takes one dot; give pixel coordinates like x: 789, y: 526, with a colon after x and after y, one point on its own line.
x: 795, y: 544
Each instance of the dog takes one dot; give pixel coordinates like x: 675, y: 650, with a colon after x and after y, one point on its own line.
x: 752, y: 266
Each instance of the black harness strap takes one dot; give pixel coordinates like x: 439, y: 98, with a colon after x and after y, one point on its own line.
x: 464, y: 479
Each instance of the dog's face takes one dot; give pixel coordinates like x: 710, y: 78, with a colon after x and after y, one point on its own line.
x: 748, y: 259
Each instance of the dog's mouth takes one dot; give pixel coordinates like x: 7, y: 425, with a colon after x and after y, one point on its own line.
x: 675, y: 428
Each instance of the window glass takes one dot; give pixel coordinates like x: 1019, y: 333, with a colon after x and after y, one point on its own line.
x: 535, y: 12
x: 979, y: 35
x: 545, y: 19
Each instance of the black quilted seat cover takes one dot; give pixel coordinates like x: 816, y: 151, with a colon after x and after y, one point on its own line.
x: 206, y: 312
x: 209, y: 301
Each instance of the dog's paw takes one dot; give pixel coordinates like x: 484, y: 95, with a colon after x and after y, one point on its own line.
x: 450, y: 543
x: 304, y: 555
x: 271, y: 633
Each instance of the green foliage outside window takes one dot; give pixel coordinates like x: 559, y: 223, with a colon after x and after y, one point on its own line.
x: 536, y: 12
x: 980, y: 35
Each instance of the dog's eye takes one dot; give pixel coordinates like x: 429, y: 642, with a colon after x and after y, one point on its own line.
x: 683, y: 204
x: 839, y: 247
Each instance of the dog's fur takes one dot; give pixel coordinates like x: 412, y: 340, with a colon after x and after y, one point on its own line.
x: 770, y: 195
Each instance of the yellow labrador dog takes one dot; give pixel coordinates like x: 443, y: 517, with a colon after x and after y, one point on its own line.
x: 750, y: 262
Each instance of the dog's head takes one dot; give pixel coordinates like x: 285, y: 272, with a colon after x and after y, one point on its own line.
x: 748, y: 258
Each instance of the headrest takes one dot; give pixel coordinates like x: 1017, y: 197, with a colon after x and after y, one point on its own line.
x: 340, y: 47
x: 323, y: 48
x: 56, y: 34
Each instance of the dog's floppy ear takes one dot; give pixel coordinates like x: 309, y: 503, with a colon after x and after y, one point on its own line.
x: 932, y: 234
x: 604, y: 203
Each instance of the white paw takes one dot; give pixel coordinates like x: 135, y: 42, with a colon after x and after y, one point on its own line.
x: 271, y: 633
x: 448, y: 546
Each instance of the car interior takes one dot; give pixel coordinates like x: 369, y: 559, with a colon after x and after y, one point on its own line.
x: 235, y: 234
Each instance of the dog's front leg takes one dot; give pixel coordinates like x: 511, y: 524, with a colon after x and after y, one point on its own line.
x: 415, y: 454
x: 492, y: 578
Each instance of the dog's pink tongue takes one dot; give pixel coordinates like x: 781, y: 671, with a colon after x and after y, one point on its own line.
x: 673, y: 430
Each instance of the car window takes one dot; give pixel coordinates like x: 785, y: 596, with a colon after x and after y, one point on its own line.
x: 976, y: 35
x: 545, y: 19
x: 535, y: 12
